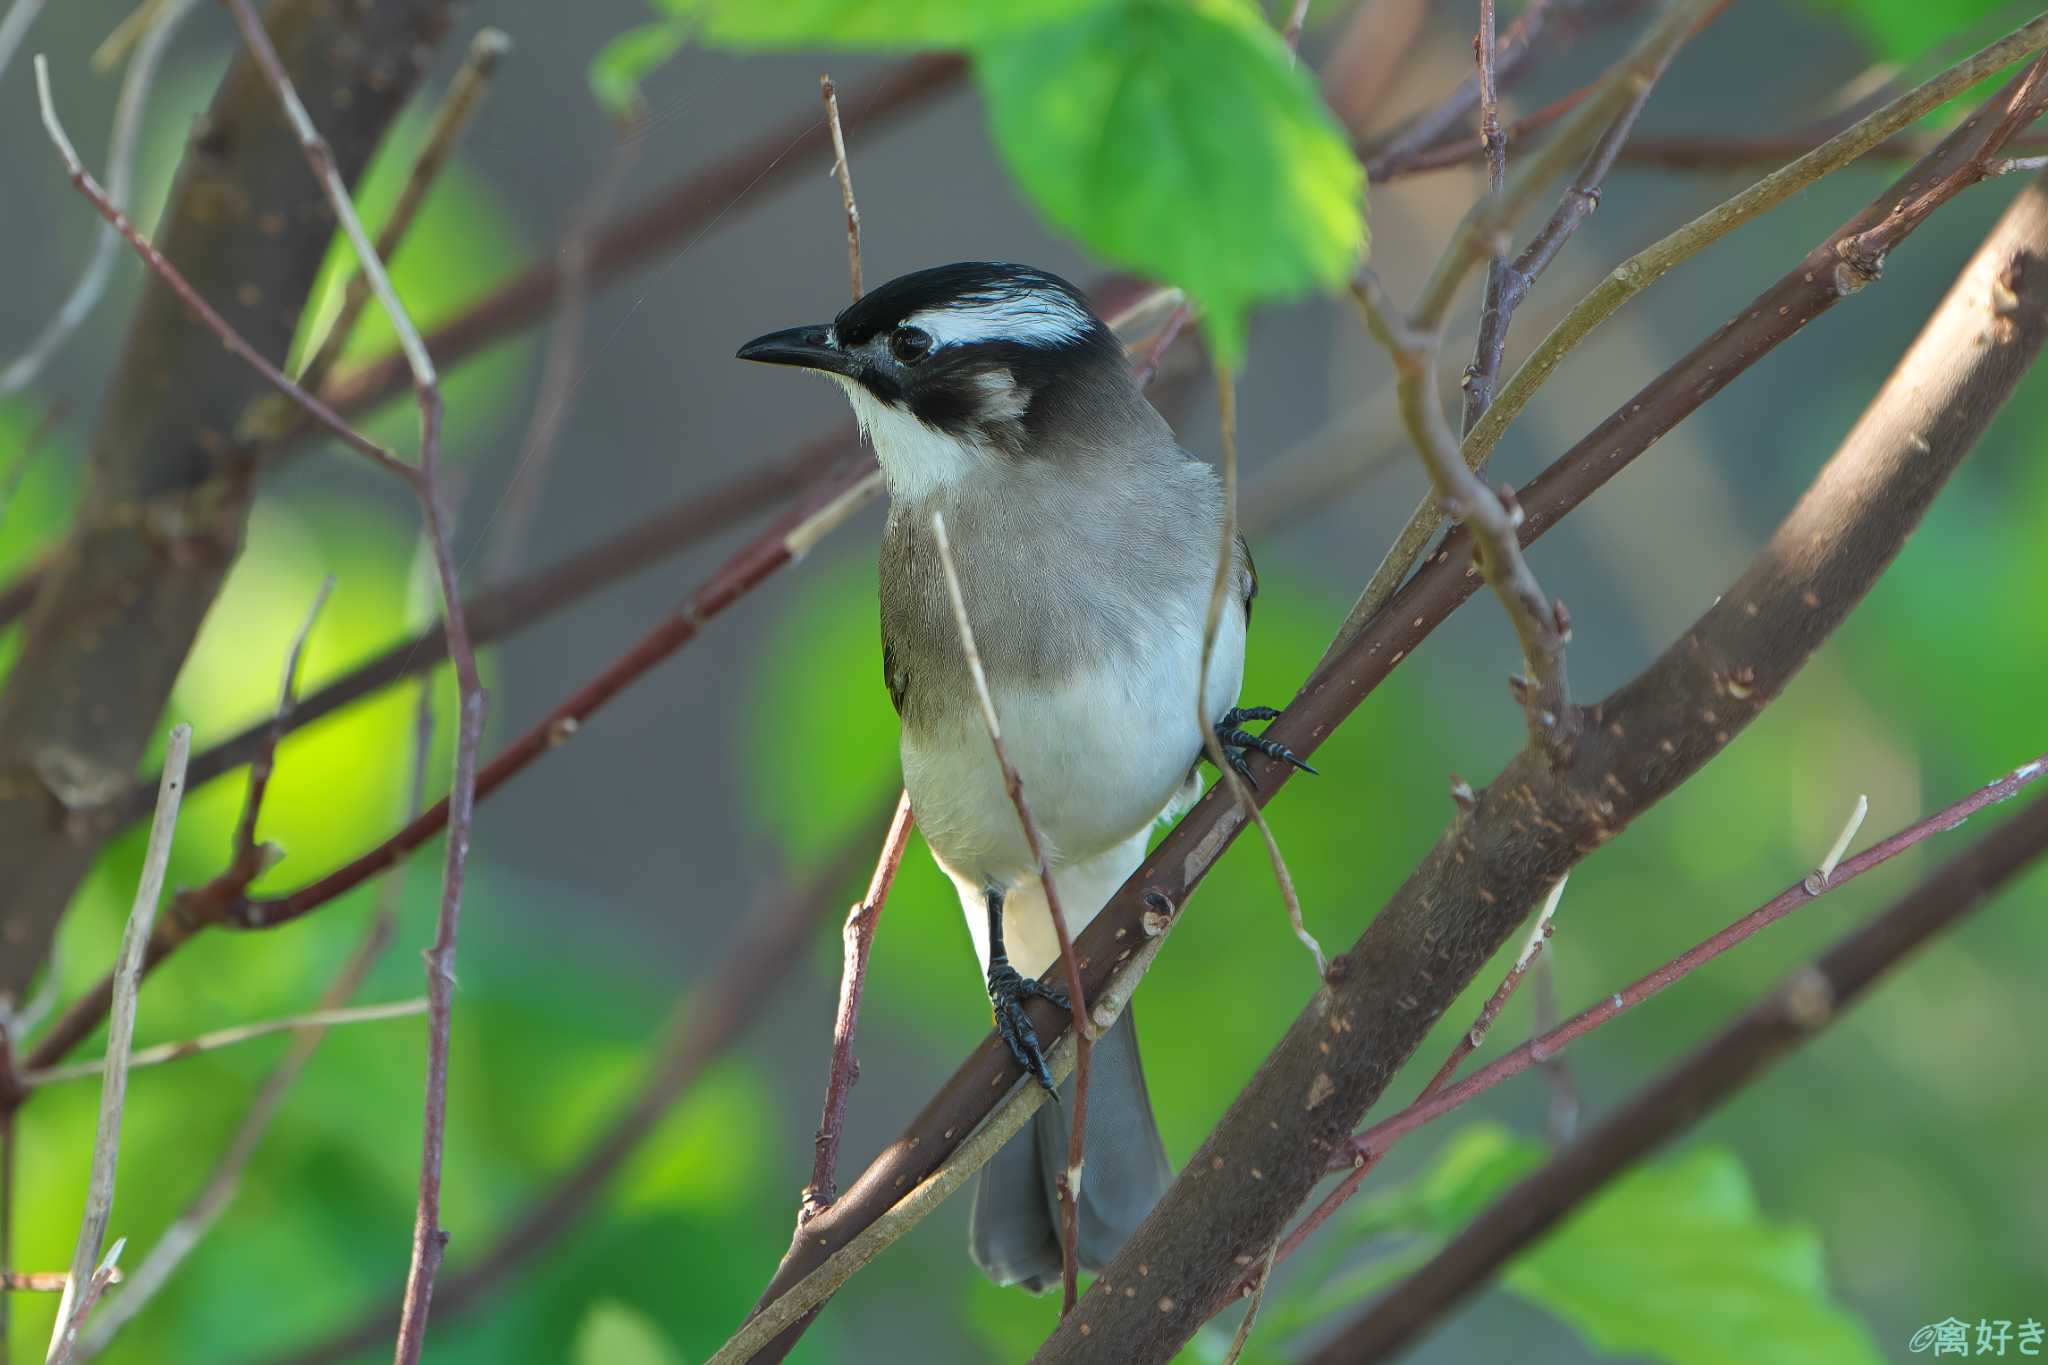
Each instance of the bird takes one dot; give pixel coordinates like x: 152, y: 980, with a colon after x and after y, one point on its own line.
x: 1086, y: 543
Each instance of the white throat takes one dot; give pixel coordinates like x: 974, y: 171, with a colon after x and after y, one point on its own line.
x: 917, y: 461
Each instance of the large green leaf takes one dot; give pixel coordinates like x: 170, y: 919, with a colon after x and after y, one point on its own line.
x: 1676, y: 1261
x: 1177, y: 139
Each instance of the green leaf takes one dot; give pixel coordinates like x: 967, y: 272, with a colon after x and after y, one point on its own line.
x: 621, y: 64
x: 870, y: 23
x: 1178, y: 140
x: 614, y: 1334
x: 1676, y: 1261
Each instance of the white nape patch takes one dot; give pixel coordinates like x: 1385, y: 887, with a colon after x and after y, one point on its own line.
x: 916, y: 460
x: 1042, y: 317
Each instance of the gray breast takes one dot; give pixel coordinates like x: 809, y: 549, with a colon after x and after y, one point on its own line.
x: 1058, y: 566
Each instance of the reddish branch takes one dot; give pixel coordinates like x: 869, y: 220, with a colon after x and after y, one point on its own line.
x: 1807, y: 1002
x: 702, y: 1027
x: 1178, y: 864
x: 1440, y: 1097
x: 1538, y: 818
x: 859, y: 941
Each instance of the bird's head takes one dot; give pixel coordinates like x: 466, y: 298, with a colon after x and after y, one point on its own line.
x: 960, y: 364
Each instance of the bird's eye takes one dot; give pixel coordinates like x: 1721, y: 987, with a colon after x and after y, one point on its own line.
x: 910, y: 344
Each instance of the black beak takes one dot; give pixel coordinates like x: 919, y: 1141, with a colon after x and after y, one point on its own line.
x: 809, y: 348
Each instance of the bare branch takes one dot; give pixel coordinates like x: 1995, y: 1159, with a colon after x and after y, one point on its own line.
x: 228, y: 1037
x: 859, y: 940
x: 1803, y: 1005
x: 1493, y: 519
x: 190, y: 297
x: 106, y: 1147
x: 1652, y: 263
x: 1205, y: 724
x: 703, y: 1025
x: 1069, y: 1185
x: 844, y: 175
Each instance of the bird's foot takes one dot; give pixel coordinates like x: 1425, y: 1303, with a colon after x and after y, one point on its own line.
x: 1007, y: 991
x: 1237, y: 742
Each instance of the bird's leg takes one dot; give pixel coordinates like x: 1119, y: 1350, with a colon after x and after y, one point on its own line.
x: 1236, y: 741
x: 1007, y: 992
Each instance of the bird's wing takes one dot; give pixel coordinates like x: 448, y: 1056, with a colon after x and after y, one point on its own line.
x: 1248, y: 580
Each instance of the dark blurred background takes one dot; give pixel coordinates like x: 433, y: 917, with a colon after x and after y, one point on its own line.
x: 609, y: 881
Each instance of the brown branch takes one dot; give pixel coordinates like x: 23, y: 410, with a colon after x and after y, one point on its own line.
x: 1541, y: 624
x: 428, y: 1237
x: 787, y: 539
x: 1538, y: 818
x: 498, y: 612
x: 163, y: 516
x: 1546, y: 1049
x: 1511, y: 53
x: 858, y: 939
x: 1548, y: 1045
x: 451, y: 120
x: 1507, y: 284
x: 76, y: 1302
x: 1149, y: 902
x: 844, y: 174
x: 1077, y: 1001
x: 701, y: 1028
x: 1804, y: 1004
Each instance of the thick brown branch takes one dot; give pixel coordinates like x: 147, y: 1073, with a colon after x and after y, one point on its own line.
x: 1538, y: 818
x: 171, y: 480
x: 1148, y: 903
x: 1807, y: 1002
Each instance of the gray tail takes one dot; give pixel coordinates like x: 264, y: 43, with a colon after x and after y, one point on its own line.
x: 1013, y: 1231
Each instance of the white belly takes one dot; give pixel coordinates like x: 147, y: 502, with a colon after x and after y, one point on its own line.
x: 1102, y: 756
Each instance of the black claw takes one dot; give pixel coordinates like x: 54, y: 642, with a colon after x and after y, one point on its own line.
x: 1236, y: 741
x: 1273, y: 749
x: 1007, y: 992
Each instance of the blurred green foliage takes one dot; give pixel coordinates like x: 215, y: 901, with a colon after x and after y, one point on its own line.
x: 1908, y: 1138
x: 1175, y: 137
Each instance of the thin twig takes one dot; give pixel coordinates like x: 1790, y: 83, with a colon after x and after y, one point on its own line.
x: 701, y: 1027
x: 240, y: 1033
x: 1540, y: 624
x: 1070, y: 1183
x: 1255, y: 1299
x: 190, y: 1227
x: 106, y: 247
x: 844, y: 174
x: 1227, y: 571
x: 1600, y: 120
x: 428, y: 1238
x: 1420, y: 135
x: 204, y: 311
x: 1509, y: 283
x: 106, y: 1148
x: 1833, y: 859
x: 1375, y: 1141
x: 64, y: 1350
x: 858, y: 940
x: 1804, y: 1004
x: 451, y: 119
x: 1290, y: 33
